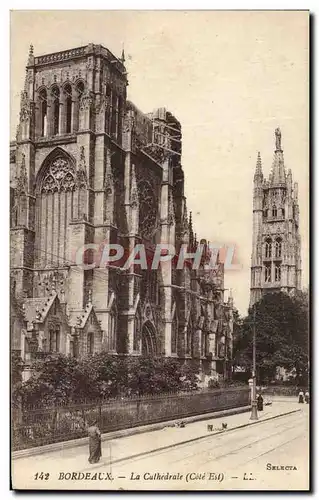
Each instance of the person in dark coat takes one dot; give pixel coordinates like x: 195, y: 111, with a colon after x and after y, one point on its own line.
x: 301, y: 397
x: 260, y: 403
x: 94, y: 443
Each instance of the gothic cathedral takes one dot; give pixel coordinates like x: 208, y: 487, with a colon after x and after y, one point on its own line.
x: 88, y: 167
x: 275, y: 260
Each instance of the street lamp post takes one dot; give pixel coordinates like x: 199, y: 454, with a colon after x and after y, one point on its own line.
x: 254, y: 414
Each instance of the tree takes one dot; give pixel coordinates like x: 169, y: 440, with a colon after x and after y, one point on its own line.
x: 281, y: 337
x: 53, y: 380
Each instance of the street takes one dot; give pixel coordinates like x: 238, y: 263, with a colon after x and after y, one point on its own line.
x: 267, y: 455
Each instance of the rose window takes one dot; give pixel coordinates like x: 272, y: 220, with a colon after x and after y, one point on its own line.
x: 60, y: 176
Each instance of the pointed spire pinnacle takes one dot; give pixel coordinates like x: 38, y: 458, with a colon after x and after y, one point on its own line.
x: 25, y: 87
x: 258, y: 171
x: 31, y: 56
x: 190, y: 227
x: 190, y: 223
x: 123, y: 55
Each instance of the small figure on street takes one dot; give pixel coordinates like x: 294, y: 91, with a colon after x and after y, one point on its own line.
x: 94, y: 443
x: 260, y: 403
x: 307, y: 397
x: 301, y: 397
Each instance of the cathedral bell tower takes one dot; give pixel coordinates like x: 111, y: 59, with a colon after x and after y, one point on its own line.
x: 275, y: 260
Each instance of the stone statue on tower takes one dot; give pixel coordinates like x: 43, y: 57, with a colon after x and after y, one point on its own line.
x: 278, y: 139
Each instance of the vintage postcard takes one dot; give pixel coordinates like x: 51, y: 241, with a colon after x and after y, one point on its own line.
x: 159, y: 229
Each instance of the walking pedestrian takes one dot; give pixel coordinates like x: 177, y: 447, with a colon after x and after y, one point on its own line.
x: 260, y: 403
x: 94, y: 443
x: 307, y: 397
x: 301, y: 396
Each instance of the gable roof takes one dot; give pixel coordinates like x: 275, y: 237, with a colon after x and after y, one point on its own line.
x: 37, y: 309
x: 78, y: 317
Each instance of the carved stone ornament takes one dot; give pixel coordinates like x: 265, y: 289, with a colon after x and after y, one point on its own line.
x: 109, y: 183
x: 185, y: 219
x: 128, y: 125
x: 101, y: 105
x: 134, y: 198
x: 147, y: 209
x: 22, y: 180
x: 81, y: 172
x: 90, y: 64
x: 86, y: 100
x: 25, y: 107
x: 171, y: 212
x: 60, y: 177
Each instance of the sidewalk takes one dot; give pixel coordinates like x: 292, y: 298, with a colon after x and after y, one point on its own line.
x: 168, y: 437
x: 142, y: 444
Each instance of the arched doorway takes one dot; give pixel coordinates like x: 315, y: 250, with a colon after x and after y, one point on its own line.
x: 149, y: 346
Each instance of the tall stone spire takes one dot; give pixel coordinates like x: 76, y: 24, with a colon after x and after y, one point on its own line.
x: 258, y: 171
x: 278, y: 174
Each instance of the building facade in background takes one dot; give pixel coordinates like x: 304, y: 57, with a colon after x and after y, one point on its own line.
x: 88, y: 167
x: 276, y: 249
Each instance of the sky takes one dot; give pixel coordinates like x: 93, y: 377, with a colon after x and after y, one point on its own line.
x: 230, y: 77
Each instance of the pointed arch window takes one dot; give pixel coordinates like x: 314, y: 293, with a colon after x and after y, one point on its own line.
x: 267, y: 273
x: 43, y: 112
x: 268, y: 248
x: 278, y: 247
x: 56, y: 206
x: 54, y: 339
x: 108, y: 109
x: 68, y: 108
x: 90, y: 343
x: 56, y: 110
x: 79, y: 90
x: 277, y: 272
x: 114, y: 115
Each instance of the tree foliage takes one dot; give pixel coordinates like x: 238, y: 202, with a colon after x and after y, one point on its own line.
x: 282, y: 339
x: 60, y: 379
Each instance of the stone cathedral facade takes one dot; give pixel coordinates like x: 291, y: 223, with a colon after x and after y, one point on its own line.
x: 88, y: 167
x: 275, y: 260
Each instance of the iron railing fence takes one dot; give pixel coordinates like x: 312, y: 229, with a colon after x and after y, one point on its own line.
x: 39, y: 425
